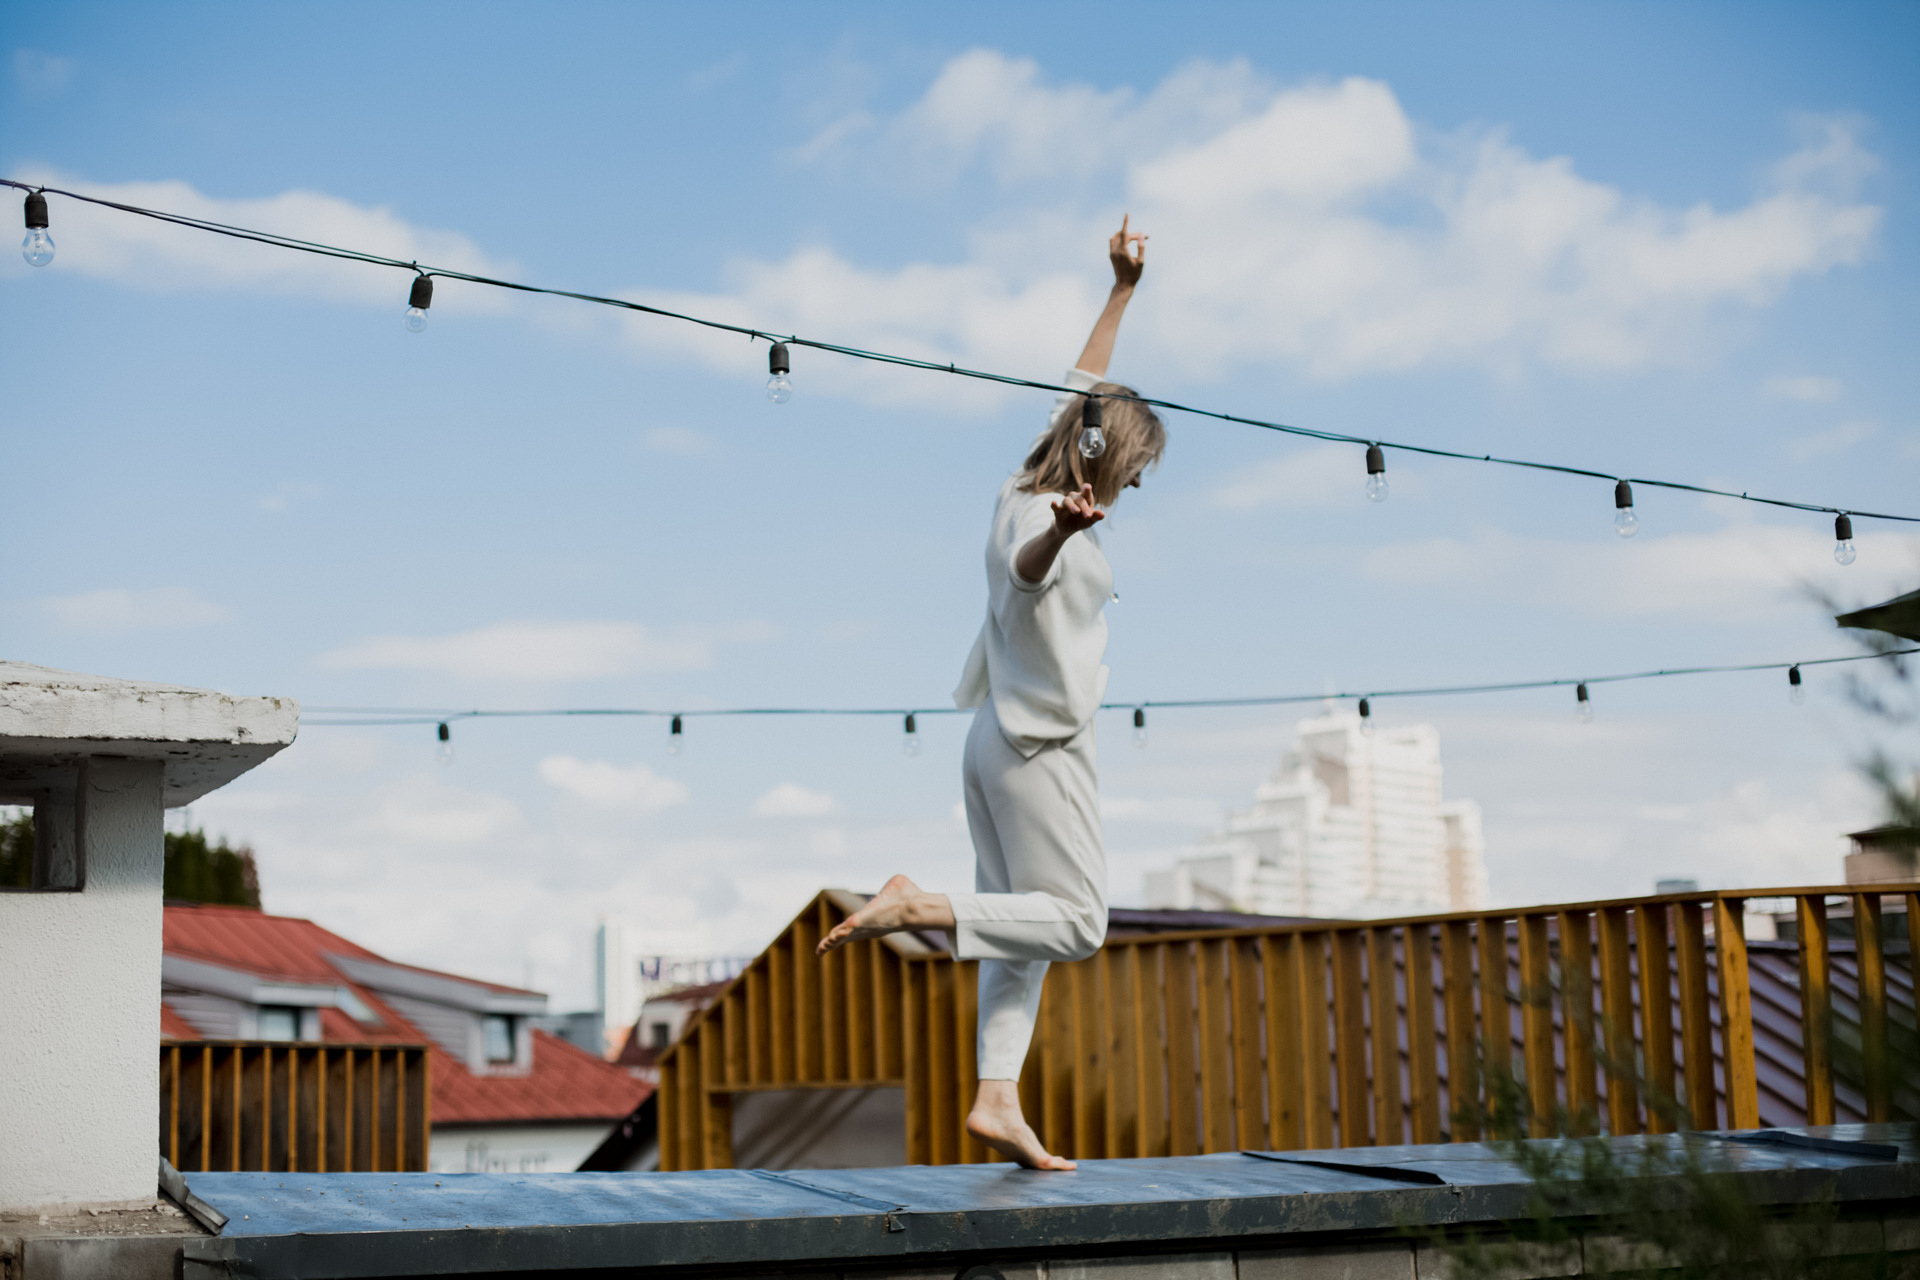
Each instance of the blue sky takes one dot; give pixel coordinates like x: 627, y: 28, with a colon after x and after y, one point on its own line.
x: 1647, y: 239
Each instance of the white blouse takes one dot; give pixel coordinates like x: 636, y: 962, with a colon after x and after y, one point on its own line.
x: 1038, y: 655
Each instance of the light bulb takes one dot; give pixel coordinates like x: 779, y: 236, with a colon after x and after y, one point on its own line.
x: 779, y: 386
x: 444, y: 754
x: 417, y: 303
x: 1366, y: 717
x: 1376, y: 474
x: 1584, y: 708
x: 674, y: 737
x: 1796, y: 692
x: 1625, y: 523
x: 911, y: 743
x: 1140, y: 726
x: 37, y: 248
x: 1843, y: 551
x: 1093, y: 440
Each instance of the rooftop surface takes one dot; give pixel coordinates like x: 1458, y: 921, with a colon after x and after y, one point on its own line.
x: 363, y: 1225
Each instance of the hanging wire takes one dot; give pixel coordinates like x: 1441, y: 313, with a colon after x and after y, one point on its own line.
x: 428, y: 715
x: 909, y: 362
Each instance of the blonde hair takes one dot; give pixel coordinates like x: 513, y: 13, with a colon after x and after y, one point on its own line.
x: 1135, y: 440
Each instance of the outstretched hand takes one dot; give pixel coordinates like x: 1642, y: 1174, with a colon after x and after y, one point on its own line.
x: 1127, y: 250
x: 1076, y: 511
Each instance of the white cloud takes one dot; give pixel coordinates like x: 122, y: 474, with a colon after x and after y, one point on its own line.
x: 151, y: 254
x: 118, y: 610
x: 1835, y: 439
x: 791, y: 800
x: 41, y: 74
x: 683, y: 442
x: 1738, y: 573
x: 1807, y: 388
x: 1316, y: 225
x: 540, y: 651
x: 635, y: 788
x: 1327, y: 475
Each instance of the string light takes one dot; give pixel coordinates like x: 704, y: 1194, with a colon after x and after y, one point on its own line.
x: 1625, y: 523
x: 1584, y: 710
x: 1093, y: 441
x: 674, y: 737
x: 911, y: 743
x: 1366, y: 717
x: 37, y: 248
x: 1376, y: 474
x: 1843, y: 552
x: 779, y: 385
x: 1796, y: 692
x: 1140, y: 728
x: 417, y: 303
x: 444, y: 753
x: 1376, y: 466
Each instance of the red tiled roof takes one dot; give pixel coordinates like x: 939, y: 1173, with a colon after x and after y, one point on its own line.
x: 565, y: 1083
x: 175, y: 1027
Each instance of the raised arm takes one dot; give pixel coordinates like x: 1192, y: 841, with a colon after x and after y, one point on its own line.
x: 1127, y: 250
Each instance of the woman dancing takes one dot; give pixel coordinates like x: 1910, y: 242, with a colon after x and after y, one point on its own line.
x: 1035, y: 675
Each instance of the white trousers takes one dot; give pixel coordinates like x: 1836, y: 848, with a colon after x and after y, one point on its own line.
x: 1040, y: 879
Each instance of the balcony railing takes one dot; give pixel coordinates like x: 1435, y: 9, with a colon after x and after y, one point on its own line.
x: 230, y: 1105
x: 1628, y: 1016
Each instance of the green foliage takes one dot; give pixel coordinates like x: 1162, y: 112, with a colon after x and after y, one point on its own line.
x: 16, y: 851
x: 197, y: 871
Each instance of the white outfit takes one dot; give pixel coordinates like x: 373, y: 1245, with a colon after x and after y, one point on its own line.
x: 1040, y: 870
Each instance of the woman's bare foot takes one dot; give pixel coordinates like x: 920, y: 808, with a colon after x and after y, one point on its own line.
x: 996, y: 1121
x: 900, y: 904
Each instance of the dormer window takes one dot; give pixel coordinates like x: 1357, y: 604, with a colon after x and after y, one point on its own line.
x: 502, y: 1042
x: 277, y: 1022
x: 662, y: 1035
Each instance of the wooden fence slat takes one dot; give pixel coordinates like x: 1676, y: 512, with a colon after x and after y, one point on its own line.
x: 836, y: 1053
x: 1215, y: 1049
x: 808, y: 1031
x: 1696, y: 1019
x: 1350, y: 1040
x: 1496, y: 1015
x: 1736, y: 1013
x: 941, y: 1058
x: 1576, y: 1005
x: 1423, y: 1074
x: 1870, y: 951
x: 1383, y: 1018
x: 1316, y: 1050
x: 1616, y: 1014
x: 1816, y: 1006
x: 966, y: 1027
x: 1654, y: 954
x: 1122, y: 1045
x: 1150, y: 1031
x: 1249, y: 1077
x: 1183, y: 1080
x: 918, y: 1072
x: 781, y: 1017
x: 1536, y: 1024
x: 1463, y: 1058
x: 1280, y: 961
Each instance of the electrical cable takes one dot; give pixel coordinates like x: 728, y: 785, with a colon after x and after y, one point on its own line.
x: 909, y: 362
x: 362, y: 716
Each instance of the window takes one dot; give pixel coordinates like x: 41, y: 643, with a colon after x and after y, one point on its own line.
x: 277, y: 1022
x: 501, y: 1044
x: 662, y: 1035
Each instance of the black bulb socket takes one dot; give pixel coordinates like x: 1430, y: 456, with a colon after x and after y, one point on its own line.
x: 910, y: 724
x: 1580, y: 691
x: 1090, y: 415
x: 1376, y: 460
x: 422, y: 295
x: 1793, y: 675
x: 36, y: 210
x: 1623, y: 495
x: 1139, y: 717
x: 1842, y: 529
x: 445, y: 735
x: 674, y: 729
x: 777, y: 361
x: 1366, y: 709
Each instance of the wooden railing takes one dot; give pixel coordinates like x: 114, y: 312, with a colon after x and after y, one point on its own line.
x: 1626, y: 1016
x: 229, y: 1105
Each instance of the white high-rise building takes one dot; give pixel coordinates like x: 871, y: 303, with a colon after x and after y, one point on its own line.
x: 1351, y: 826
